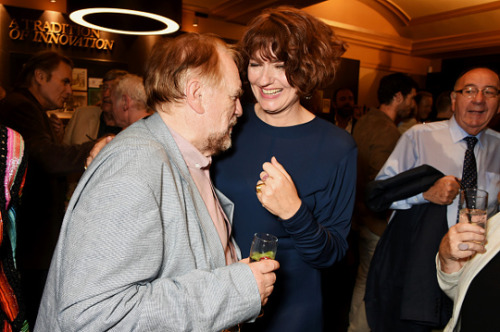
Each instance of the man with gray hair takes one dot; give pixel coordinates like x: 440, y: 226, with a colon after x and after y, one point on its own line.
x: 88, y: 123
x: 146, y: 242
x: 129, y: 101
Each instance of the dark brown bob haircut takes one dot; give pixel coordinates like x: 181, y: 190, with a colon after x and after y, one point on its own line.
x: 308, y: 47
x: 173, y: 59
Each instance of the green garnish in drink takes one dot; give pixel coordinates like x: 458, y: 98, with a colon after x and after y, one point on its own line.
x: 257, y: 256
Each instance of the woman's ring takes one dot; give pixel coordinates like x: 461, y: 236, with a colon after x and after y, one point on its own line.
x: 259, y: 186
x: 463, y: 246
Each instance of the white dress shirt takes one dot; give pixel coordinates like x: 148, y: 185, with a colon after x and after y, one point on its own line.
x: 441, y: 145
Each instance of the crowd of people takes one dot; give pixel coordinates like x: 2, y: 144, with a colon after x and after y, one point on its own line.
x: 172, y: 176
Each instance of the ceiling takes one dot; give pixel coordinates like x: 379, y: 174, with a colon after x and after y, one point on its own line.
x: 433, y: 27
x: 436, y: 28
x: 239, y: 11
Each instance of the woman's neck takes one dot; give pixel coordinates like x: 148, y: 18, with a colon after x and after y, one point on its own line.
x: 292, y: 116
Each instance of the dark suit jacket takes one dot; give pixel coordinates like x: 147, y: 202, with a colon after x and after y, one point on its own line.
x: 402, y: 292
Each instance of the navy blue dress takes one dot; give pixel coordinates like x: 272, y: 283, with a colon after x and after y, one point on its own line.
x: 321, y: 159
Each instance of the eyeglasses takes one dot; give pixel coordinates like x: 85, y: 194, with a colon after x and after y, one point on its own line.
x: 105, y: 87
x: 471, y: 92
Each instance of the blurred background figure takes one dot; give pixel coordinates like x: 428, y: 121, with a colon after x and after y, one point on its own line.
x: 344, y: 109
x: 419, y: 113
x: 89, y: 123
x: 443, y: 106
x: 129, y: 102
x: 423, y: 100
x: 376, y: 136
x: 44, y: 84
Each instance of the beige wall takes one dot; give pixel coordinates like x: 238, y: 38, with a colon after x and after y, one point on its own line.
x: 374, y: 42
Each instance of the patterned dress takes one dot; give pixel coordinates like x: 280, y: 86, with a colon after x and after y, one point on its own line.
x: 12, y: 173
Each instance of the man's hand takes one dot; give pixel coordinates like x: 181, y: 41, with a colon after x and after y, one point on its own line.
x: 443, y: 191
x: 99, y: 145
x: 263, y: 271
x: 462, y: 241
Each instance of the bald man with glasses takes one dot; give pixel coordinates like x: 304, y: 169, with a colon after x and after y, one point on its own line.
x: 442, y: 145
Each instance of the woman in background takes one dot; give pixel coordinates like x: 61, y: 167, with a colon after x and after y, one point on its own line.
x: 304, y: 166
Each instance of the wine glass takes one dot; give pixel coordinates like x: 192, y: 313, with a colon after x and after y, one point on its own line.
x: 264, y: 246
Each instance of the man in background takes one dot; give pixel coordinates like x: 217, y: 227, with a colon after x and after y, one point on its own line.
x: 376, y: 135
x: 129, y: 102
x: 44, y: 84
x: 465, y: 151
x: 443, y: 106
x: 92, y: 122
x: 343, y: 102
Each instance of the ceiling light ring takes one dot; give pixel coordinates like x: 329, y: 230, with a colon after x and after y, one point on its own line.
x: 78, y: 17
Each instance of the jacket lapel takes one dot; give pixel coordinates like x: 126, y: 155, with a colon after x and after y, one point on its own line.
x: 160, y: 131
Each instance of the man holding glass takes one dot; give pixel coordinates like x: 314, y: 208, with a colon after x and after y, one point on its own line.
x: 146, y: 242
x: 443, y: 145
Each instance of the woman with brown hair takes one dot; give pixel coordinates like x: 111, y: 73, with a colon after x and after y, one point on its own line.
x: 304, y: 167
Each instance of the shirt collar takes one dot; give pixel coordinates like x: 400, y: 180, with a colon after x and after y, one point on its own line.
x: 192, y: 156
x: 458, y: 134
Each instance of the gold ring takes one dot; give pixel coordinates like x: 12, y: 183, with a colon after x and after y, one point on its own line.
x: 259, y: 186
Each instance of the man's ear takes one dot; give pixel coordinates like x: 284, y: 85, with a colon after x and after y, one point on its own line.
x: 39, y: 76
x: 194, y: 95
x: 398, y: 97
x: 126, y: 102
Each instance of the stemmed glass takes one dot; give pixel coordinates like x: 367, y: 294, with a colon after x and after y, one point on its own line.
x: 264, y: 246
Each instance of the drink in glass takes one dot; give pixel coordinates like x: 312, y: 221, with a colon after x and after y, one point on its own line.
x: 473, y: 206
x: 473, y: 216
x: 264, y: 246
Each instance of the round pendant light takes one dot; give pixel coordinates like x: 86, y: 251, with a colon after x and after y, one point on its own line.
x: 131, y: 17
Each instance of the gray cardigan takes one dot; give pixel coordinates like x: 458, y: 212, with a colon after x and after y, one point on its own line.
x: 138, y: 250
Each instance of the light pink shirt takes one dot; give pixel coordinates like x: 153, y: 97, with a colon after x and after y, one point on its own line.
x: 199, y: 167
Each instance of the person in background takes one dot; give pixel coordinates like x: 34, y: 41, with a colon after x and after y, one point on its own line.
x: 129, y: 101
x: 423, y: 101
x: 414, y: 301
x: 443, y: 106
x: 44, y: 84
x: 92, y: 122
x: 13, y: 164
x: 419, y: 113
x: 376, y: 135
x: 344, y: 109
x: 146, y: 243
x: 304, y: 167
